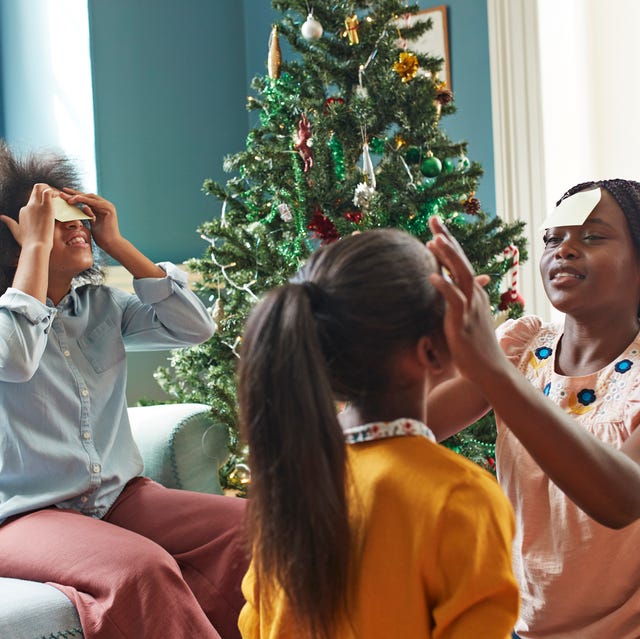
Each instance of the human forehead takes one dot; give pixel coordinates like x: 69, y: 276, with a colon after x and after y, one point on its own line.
x: 606, y: 216
x: 594, y: 205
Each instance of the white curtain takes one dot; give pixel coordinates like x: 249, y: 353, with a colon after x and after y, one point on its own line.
x: 518, y: 131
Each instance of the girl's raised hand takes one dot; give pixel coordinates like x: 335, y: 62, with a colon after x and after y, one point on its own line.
x: 36, y: 221
x: 106, y: 234
x: 468, y: 322
x: 104, y: 227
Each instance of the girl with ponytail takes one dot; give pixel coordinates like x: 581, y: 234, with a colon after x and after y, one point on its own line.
x: 361, y: 525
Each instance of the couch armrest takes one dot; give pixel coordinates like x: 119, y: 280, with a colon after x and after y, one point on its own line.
x: 181, y: 445
x: 31, y: 610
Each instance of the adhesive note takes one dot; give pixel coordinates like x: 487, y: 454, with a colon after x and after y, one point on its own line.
x: 573, y: 210
x: 64, y: 212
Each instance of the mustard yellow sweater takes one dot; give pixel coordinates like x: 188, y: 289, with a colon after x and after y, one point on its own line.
x: 436, y: 550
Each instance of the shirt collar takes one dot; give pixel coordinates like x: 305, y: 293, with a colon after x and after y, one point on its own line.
x: 69, y: 303
x: 381, y: 430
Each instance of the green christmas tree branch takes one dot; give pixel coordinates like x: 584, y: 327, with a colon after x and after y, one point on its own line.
x: 349, y: 137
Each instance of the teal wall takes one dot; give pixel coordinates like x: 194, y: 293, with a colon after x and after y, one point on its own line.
x: 170, y: 85
x: 169, y: 93
x: 171, y: 81
x: 170, y: 90
x: 471, y: 82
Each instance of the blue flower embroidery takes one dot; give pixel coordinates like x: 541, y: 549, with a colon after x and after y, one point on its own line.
x: 623, y: 365
x: 586, y: 396
x: 547, y: 388
x: 543, y: 352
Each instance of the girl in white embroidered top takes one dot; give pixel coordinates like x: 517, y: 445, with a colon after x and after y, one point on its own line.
x: 570, y: 461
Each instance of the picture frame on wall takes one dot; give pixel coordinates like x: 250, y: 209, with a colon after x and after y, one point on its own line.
x: 435, y: 41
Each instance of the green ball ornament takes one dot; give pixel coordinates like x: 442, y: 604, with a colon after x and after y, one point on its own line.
x: 457, y: 220
x: 449, y: 165
x: 431, y: 166
x: 413, y: 155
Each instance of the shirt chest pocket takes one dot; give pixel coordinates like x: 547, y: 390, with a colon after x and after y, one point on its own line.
x: 103, y: 346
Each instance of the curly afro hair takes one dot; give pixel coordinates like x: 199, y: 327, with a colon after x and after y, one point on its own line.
x: 17, y: 178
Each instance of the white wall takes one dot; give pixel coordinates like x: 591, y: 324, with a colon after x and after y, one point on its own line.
x: 516, y: 95
x: 589, y: 52
x: 568, y: 111
x: 612, y: 28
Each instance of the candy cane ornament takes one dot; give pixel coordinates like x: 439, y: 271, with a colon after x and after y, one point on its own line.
x: 511, y: 295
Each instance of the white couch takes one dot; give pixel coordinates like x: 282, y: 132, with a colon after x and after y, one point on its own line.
x: 181, y: 448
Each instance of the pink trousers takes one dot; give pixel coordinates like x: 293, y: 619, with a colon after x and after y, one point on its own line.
x: 162, y: 562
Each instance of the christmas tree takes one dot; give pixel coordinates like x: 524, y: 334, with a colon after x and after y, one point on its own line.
x: 349, y: 138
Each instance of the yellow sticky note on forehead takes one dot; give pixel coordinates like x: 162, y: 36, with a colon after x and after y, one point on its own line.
x: 573, y: 210
x: 64, y: 212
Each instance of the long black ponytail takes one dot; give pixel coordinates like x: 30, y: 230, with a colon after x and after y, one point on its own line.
x: 297, y: 505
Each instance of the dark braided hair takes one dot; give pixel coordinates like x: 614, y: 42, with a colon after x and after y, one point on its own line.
x: 627, y: 195
x: 17, y: 178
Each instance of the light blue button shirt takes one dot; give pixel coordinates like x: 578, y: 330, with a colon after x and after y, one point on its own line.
x: 65, y: 438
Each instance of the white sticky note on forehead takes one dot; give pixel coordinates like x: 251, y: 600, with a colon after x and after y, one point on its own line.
x: 573, y: 210
x: 64, y: 212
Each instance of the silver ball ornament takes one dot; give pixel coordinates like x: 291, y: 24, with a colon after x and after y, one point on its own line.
x: 311, y: 29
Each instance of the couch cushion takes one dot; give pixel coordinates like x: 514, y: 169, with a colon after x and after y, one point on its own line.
x: 181, y: 445
x: 33, y: 610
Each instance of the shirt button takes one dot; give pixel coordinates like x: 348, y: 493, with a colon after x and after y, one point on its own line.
x: 95, y: 468
x: 86, y: 435
x: 84, y: 392
x: 66, y: 353
x: 84, y: 499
